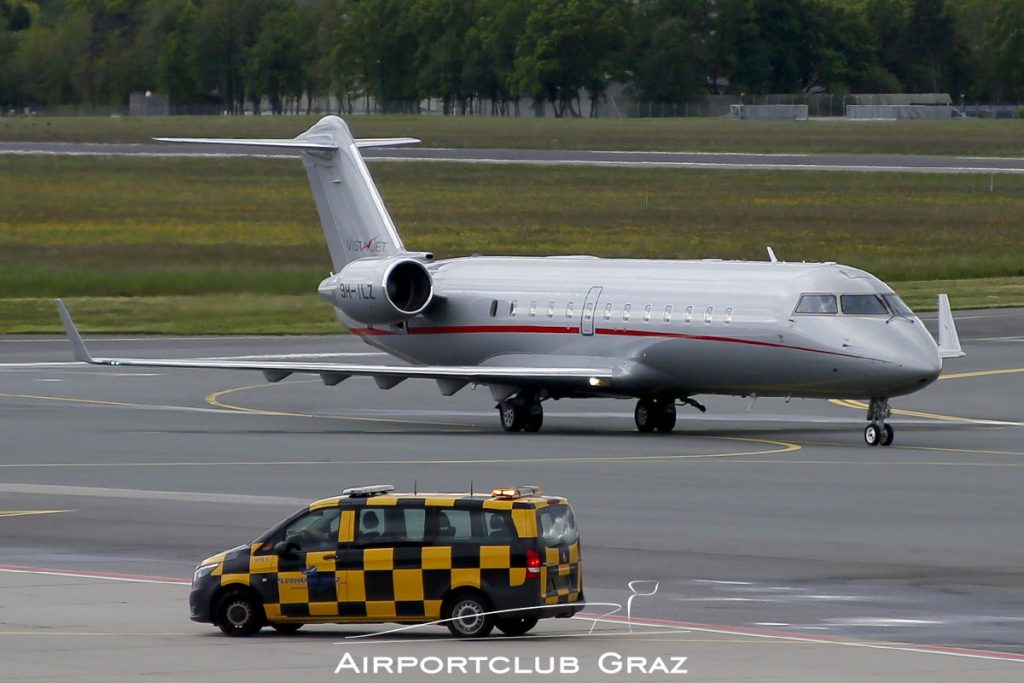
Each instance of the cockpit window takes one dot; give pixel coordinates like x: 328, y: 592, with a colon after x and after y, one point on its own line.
x: 897, y: 305
x: 863, y: 304
x: 824, y: 304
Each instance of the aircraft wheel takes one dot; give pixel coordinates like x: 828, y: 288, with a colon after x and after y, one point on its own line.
x: 666, y: 417
x: 873, y: 434
x: 512, y: 416
x: 646, y: 415
x: 534, y: 417
x: 887, y: 436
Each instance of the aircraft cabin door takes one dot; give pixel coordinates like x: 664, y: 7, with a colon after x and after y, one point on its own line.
x: 590, y: 311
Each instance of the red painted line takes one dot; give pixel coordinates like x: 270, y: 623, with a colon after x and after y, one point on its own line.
x: 369, y: 332
x: 92, y: 574
x: 727, y: 340
x: 795, y: 635
x: 495, y: 329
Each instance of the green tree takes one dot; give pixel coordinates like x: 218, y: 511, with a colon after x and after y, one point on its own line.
x: 490, y: 53
x: 274, y: 65
x: 1004, y: 48
x: 669, y: 49
x: 175, y: 72
x: 569, y: 45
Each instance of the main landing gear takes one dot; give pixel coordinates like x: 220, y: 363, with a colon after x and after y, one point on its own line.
x: 521, y: 414
x: 878, y: 432
x: 655, y: 414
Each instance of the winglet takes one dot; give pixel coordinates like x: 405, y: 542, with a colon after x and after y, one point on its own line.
x: 949, y: 340
x: 771, y: 255
x: 77, y: 345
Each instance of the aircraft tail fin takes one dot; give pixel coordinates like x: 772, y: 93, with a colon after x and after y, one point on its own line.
x: 355, y: 222
x: 949, y: 340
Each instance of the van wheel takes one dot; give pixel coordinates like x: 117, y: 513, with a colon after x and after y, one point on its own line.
x: 239, y: 614
x: 516, y: 626
x: 467, y: 617
x: 286, y: 629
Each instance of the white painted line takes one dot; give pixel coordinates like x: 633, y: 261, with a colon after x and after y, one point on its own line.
x: 147, y: 494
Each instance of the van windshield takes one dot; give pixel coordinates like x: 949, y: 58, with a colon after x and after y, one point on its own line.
x: 557, y: 525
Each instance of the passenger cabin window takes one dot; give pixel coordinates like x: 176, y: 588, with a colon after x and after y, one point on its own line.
x: 707, y: 314
x: 569, y: 309
x: 494, y: 308
x: 668, y: 314
x: 391, y: 525
x: 588, y: 311
x: 533, y: 308
x: 647, y: 313
x: 551, y: 309
x: 688, y: 314
x: 625, y: 312
x: 512, y: 308
x: 728, y: 315
x: 863, y: 304
x: 607, y: 311
x: 817, y: 304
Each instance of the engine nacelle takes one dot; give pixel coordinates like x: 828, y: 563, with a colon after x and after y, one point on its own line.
x: 380, y: 291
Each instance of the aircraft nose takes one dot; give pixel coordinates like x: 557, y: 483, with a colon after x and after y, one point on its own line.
x: 920, y: 364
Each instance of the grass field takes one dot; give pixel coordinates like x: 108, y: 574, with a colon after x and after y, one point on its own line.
x: 967, y: 137
x: 122, y: 237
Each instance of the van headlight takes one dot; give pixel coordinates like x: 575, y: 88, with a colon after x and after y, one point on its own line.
x: 203, y: 570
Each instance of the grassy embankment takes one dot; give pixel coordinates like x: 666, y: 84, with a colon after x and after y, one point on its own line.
x: 234, y: 246
x: 956, y: 137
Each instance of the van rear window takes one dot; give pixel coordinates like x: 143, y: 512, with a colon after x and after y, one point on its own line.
x: 557, y: 525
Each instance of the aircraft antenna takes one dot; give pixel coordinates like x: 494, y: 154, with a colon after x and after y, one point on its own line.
x: 471, y: 488
x: 415, y: 490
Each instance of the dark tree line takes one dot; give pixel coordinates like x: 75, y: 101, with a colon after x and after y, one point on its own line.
x: 471, y: 54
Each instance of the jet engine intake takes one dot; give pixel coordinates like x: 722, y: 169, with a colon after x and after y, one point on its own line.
x: 380, y: 291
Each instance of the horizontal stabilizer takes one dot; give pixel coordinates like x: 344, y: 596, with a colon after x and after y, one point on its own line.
x: 949, y: 340
x: 298, y: 144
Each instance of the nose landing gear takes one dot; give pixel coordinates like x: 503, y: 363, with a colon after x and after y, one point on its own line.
x: 878, y: 433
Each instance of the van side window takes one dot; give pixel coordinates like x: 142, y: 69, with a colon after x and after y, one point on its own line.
x: 390, y: 525
x: 316, y: 530
x: 474, y: 525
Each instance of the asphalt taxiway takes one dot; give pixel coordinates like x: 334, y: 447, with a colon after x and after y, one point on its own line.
x: 783, y: 547
x: 697, y: 160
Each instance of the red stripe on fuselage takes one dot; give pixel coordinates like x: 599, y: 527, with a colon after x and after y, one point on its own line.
x: 544, y: 329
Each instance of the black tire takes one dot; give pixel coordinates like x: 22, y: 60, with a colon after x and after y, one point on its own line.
x: 666, y: 416
x: 645, y: 415
x: 515, y: 626
x: 888, y: 434
x: 239, y: 613
x: 512, y: 416
x: 872, y: 434
x: 286, y: 629
x: 534, y: 418
x: 466, y: 615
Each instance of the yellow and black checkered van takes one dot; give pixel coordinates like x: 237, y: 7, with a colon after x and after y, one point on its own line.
x: 472, y: 562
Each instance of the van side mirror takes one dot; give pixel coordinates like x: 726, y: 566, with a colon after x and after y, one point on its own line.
x: 287, y: 549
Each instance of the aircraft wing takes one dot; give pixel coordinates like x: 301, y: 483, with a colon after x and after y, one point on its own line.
x: 504, y: 379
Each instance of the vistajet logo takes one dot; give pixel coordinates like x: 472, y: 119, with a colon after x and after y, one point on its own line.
x: 374, y: 245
